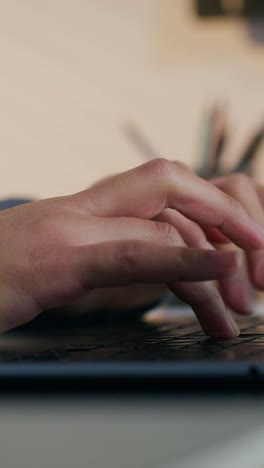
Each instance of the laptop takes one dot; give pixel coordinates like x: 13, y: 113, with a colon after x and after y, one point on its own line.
x: 106, y: 354
x: 111, y: 353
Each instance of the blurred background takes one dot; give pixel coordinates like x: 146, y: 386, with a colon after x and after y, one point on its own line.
x: 93, y: 87
x: 74, y: 73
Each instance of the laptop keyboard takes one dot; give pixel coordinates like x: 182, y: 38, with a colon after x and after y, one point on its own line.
x: 132, y: 341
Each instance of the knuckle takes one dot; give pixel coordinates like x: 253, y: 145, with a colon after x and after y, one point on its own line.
x: 166, y: 232
x: 127, y: 255
x: 158, y: 167
x: 233, y: 205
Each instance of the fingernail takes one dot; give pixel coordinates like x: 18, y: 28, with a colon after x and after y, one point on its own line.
x: 227, y: 260
x: 205, y: 244
x: 208, y: 246
x: 241, y: 298
x: 232, y: 324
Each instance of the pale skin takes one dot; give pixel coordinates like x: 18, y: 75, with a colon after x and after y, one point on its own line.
x: 158, y: 223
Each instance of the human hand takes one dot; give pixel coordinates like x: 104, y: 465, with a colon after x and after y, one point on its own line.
x: 132, y: 228
x: 237, y: 290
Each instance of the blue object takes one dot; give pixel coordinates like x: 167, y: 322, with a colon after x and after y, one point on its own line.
x: 11, y: 202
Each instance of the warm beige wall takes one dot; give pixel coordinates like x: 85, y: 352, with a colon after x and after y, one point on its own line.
x: 71, y: 71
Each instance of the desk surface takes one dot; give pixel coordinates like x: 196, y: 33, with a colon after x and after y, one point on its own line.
x: 120, y: 432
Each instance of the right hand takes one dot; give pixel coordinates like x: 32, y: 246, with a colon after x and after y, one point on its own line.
x: 142, y: 226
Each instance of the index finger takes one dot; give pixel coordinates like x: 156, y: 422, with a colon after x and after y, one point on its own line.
x: 147, y: 190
